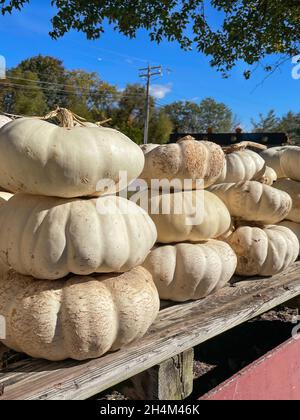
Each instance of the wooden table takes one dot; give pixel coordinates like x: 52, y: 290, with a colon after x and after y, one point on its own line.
x: 164, y: 356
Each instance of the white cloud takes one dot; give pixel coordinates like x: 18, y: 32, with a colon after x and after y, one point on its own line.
x: 160, y: 91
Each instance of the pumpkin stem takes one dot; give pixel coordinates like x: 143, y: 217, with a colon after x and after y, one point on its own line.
x: 100, y: 123
x: 242, y: 146
x: 12, y: 116
x: 66, y: 118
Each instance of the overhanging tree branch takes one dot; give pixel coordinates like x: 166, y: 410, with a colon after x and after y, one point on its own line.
x: 250, y: 30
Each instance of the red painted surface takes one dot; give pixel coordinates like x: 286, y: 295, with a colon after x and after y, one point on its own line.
x: 276, y: 376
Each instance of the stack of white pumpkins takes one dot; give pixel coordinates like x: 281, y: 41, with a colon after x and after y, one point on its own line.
x: 262, y: 245
x: 74, y: 286
x: 82, y: 270
x: 188, y: 263
x: 286, y: 162
x: 241, y: 209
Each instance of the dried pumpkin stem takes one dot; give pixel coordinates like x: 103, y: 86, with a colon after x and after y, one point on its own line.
x: 99, y: 123
x: 12, y: 116
x: 66, y: 118
x: 242, y: 146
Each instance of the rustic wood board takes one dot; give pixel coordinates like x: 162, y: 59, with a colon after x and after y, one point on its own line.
x: 171, y: 380
x: 177, y: 329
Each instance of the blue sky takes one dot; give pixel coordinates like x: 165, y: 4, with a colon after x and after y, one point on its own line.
x: 117, y: 60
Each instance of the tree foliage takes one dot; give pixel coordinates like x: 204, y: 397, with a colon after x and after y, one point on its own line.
x: 189, y: 117
x: 267, y: 123
x: 21, y: 95
x: 289, y: 123
x: 39, y: 84
x: 249, y: 30
x: 51, y: 77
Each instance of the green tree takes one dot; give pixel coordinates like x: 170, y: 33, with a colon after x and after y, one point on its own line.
x: 131, y: 105
x: 188, y: 117
x: 129, y: 113
x: 52, y: 85
x: 51, y: 76
x: 290, y: 124
x: 249, y: 30
x: 129, y: 116
x: 160, y: 128
x: 88, y: 95
x: 134, y: 132
x: 184, y: 116
x: 267, y: 123
x: 215, y: 115
x: 21, y: 95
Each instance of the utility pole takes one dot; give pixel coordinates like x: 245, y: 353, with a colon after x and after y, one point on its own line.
x: 147, y: 73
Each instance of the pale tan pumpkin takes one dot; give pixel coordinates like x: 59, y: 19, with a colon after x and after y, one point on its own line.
x: 254, y: 201
x: 264, y: 251
x: 186, y: 160
x: 189, y: 216
x: 293, y: 189
x: 272, y: 158
x: 290, y: 162
x: 4, y: 120
x: 191, y: 271
x: 41, y: 158
x: 242, y: 165
x: 269, y: 177
x: 146, y: 148
x: 293, y: 226
x: 49, y: 238
x: 79, y: 317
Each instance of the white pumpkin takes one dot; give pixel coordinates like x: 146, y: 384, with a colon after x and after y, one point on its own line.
x: 4, y: 120
x: 293, y: 226
x: 290, y: 163
x: 272, y: 158
x: 293, y: 189
x: 242, y: 165
x: 254, y: 201
x: 4, y: 197
x: 79, y: 317
x: 269, y: 177
x: 187, y: 216
x: 41, y: 158
x: 264, y: 251
x: 49, y: 238
x: 191, y: 271
x: 186, y: 160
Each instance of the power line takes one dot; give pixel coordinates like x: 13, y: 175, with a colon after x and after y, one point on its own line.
x: 68, y: 92
x: 109, y: 95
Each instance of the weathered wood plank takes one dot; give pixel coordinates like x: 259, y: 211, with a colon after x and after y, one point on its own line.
x: 171, y: 380
x: 177, y: 329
